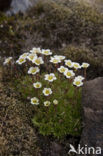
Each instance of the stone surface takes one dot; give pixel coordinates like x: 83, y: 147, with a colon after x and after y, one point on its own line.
x: 93, y: 113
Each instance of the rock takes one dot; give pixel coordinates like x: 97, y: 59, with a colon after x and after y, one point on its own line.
x: 4, y: 4
x: 92, y: 135
x: 20, y: 6
x: 56, y: 149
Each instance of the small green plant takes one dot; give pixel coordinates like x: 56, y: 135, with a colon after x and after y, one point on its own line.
x: 53, y: 89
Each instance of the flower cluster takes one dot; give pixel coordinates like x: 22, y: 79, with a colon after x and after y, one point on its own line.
x: 65, y: 67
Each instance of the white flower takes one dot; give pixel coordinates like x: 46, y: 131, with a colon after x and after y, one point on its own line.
x: 69, y: 63
x: 47, y: 91
x: 35, y: 101
x: 69, y: 73
x: 85, y: 65
x: 21, y: 60
x: 46, y: 52
x: 30, y: 57
x: 33, y: 70
x: 62, y: 69
x: 35, y: 51
x: 76, y: 65
x: 47, y: 103
x: 79, y: 78
x: 7, y: 60
x: 55, y: 60
x: 24, y: 55
x: 38, y: 60
x: 37, y: 85
x: 55, y: 102
x: 77, y: 82
x: 50, y: 77
x: 60, y: 57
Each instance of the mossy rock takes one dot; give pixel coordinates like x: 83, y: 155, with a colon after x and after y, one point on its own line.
x: 53, y: 25
x: 59, y: 23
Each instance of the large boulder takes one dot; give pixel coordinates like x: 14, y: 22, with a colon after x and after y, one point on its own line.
x: 92, y: 135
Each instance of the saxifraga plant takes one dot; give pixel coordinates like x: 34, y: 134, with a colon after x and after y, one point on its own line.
x: 54, y: 88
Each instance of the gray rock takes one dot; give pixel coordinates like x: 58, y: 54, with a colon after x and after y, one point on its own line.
x: 56, y: 149
x: 92, y: 100
x: 20, y: 6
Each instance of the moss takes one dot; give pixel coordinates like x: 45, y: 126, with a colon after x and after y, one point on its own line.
x: 2, y: 17
x: 10, y: 43
x: 51, y: 24
x: 16, y: 123
x: 57, y: 24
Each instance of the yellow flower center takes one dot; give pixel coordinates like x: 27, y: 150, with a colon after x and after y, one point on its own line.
x: 69, y: 63
x: 50, y: 77
x: 76, y: 65
x: 33, y: 70
x: 62, y: 70
x: 47, y: 104
x: 37, y: 61
x: 69, y: 74
x: 77, y: 83
x: 34, y: 101
x: 47, y: 91
x: 21, y: 60
x: 37, y: 85
x: 55, y: 61
x: 46, y: 52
